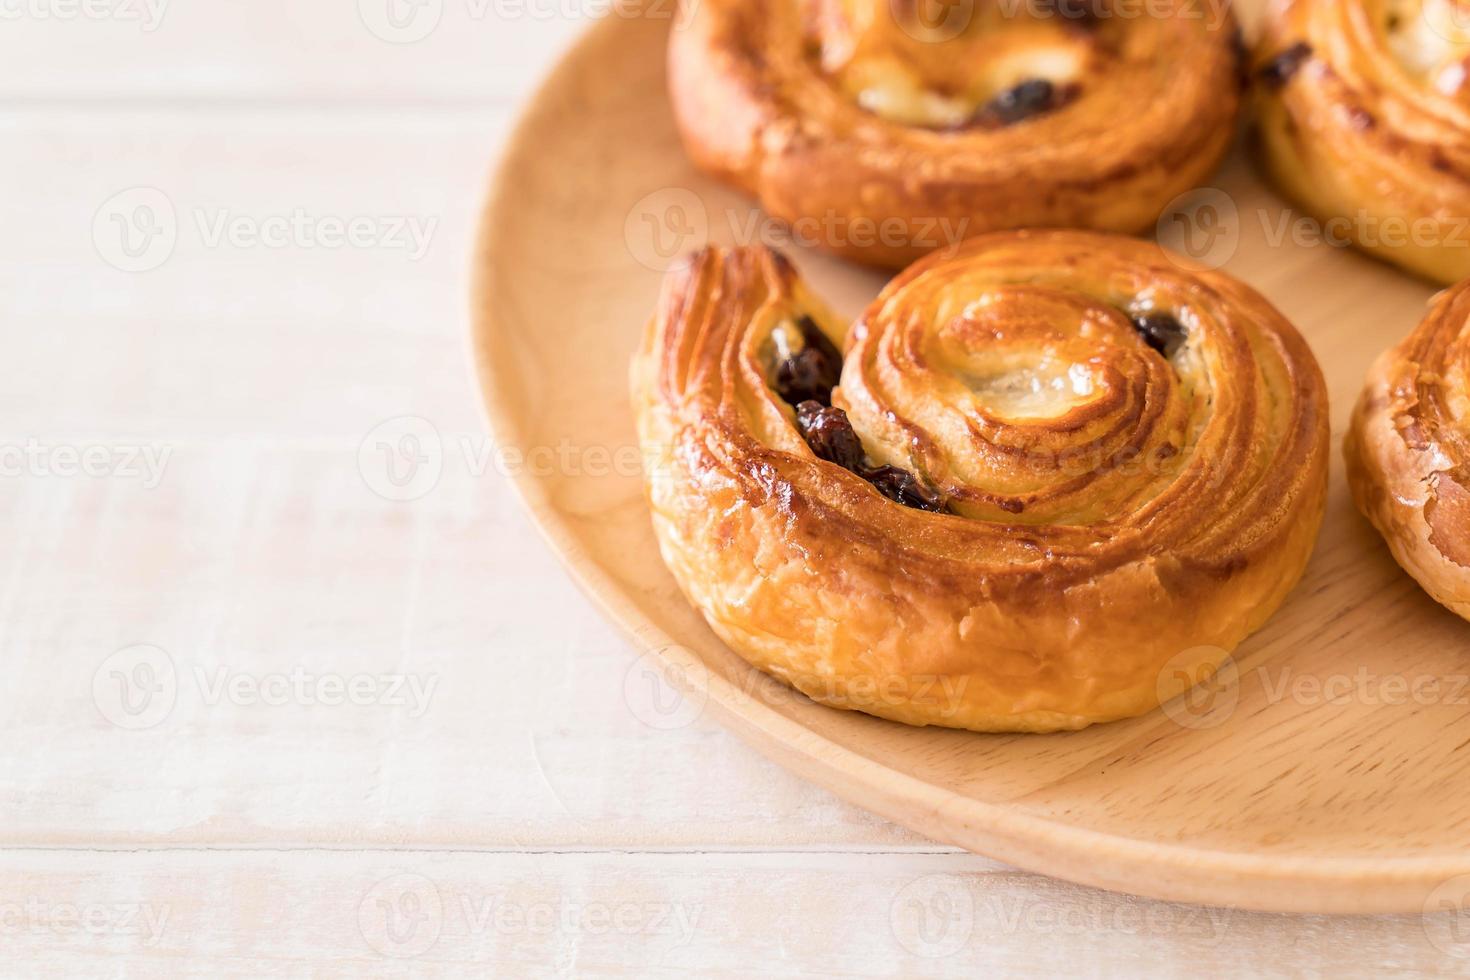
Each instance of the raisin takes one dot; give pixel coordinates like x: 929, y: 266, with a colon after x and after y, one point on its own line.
x: 1279, y: 70
x: 812, y: 372
x: 1161, y: 331
x: 1242, y: 55
x: 830, y: 434
x: 902, y: 487
x: 1032, y: 97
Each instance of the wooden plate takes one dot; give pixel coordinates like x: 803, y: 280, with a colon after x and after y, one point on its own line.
x: 1331, y: 775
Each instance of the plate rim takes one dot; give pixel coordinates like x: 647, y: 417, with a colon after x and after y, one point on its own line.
x: 1176, y: 871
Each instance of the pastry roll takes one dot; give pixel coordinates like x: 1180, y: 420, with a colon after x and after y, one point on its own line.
x: 882, y: 129
x: 1364, y: 118
x: 1047, y: 479
x: 1408, y: 450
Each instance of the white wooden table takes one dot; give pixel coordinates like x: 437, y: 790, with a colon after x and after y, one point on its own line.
x: 278, y: 703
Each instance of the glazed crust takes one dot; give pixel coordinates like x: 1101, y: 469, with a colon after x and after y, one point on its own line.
x: 769, y: 94
x: 1408, y: 450
x: 1117, y: 521
x: 1363, y: 109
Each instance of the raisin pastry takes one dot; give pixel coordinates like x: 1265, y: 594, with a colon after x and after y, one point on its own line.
x: 1408, y: 450
x: 1052, y: 480
x: 878, y: 131
x: 1364, y: 119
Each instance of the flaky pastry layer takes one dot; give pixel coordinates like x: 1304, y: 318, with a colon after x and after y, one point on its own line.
x: 1363, y: 109
x: 1120, y: 506
x: 1408, y: 451
x: 879, y: 130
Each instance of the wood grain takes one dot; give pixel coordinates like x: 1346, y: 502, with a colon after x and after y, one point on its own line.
x: 262, y: 829
x: 1327, y: 779
x: 192, y: 913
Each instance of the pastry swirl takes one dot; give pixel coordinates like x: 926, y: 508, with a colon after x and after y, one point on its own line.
x: 1364, y: 116
x: 1052, y: 464
x: 1408, y: 450
x: 880, y: 134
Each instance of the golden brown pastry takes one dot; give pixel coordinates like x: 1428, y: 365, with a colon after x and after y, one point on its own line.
x: 882, y: 129
x: 1364, y: 115
x: 1408, y: 451
x: 1052, y: 481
